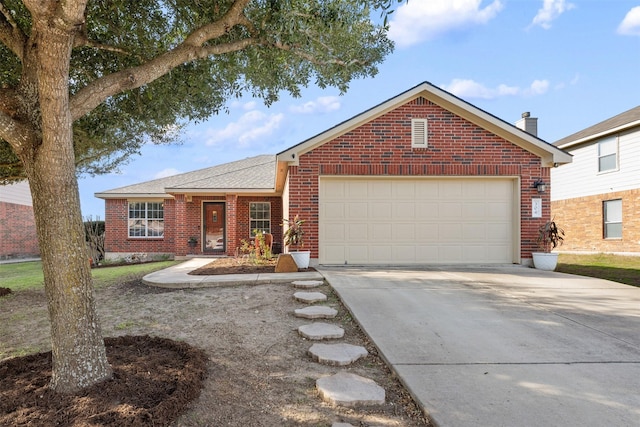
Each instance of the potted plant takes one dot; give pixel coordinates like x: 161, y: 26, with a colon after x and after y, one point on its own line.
x: 550, y: 236
x: 193, y: 241
x: 294, y: 236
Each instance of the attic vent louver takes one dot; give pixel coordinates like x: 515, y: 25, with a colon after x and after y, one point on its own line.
x: 419, y: 133
x: 421, y: 100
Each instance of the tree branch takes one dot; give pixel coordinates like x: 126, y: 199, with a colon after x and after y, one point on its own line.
x: 18, y: 135
x: 191, y: 49
x: 10, y: 33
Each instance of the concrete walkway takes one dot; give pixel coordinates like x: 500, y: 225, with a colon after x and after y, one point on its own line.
x: 178, y: 277
x: 509, y: 346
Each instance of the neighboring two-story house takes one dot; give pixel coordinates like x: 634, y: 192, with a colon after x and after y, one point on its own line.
x: 596, y: 198
x: 18, y: 236
x: 421, y: 178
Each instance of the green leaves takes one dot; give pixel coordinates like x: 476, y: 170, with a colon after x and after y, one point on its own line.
x: 295, y: 43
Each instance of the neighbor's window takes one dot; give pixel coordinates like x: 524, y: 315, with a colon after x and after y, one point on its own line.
x: 260, y: 217
x: 612, y: 215
x: 146, y: 219
x: 419, y: 138
x: 608, y: 154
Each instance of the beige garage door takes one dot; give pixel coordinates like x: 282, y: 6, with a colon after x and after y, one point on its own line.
x: 416, y: 221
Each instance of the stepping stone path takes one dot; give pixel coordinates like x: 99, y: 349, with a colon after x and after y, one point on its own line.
x: 343, y: 388
x: 316, y: 312
x: 307, y: 284
x: 310, y: 297
x: 337, y: 354
x: 321, y: 331
x: 349, y: 389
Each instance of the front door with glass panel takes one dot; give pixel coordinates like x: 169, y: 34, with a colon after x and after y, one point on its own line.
x: 214, y: 227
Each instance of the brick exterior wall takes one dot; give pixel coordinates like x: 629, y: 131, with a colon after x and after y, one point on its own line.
x: 582, y: 220
x: 18, y: 235
x: 382, y: 147
x: 183, y: 219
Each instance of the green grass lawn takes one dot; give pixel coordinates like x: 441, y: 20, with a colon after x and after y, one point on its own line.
x: 621, y: 269
x: 28, y: 275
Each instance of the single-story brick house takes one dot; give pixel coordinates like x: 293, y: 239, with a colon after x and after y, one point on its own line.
x: 596, y: 198
x: 423, y: 177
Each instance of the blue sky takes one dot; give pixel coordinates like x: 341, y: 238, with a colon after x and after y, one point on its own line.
x: 570, y: 63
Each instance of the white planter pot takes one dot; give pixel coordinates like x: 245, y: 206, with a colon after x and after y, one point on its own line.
x: 301, y: 258
x: 545, y: 260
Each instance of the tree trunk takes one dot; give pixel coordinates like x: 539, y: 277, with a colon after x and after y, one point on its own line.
x: 79, y: 356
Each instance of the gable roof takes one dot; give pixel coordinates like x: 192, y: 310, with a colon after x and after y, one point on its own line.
x: 252, y: 175
x: 623, y: 121
x: 549, y: 154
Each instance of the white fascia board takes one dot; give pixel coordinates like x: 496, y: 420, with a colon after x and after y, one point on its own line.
x: 600, y: 134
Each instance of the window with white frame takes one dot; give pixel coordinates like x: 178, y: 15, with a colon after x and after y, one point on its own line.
x: 146, y: 219
x: 259, y: 217
x: 608, y: 154
x: 612, y: 218
x: 419, y: 133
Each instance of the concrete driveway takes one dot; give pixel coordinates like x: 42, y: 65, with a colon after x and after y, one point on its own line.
x: 503, y: 346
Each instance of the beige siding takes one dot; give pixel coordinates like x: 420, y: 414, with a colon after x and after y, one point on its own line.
x: 18, y: 194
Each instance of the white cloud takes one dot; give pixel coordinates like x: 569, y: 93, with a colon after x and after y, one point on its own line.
x: 417, y: 21
x: 630, y: 25
x: 550, y: 11
x: 323, y: 104
x: 251, y: 126
x: 166, y: 172
x: 465, y: 88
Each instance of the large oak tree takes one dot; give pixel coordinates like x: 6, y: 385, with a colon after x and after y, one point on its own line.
x: 83, y: 84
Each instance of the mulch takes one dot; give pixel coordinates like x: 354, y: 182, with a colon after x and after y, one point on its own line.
x: 154, y: 380
x: 231, y: 266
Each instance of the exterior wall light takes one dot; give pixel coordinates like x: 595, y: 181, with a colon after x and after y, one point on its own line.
x: 540, y: 186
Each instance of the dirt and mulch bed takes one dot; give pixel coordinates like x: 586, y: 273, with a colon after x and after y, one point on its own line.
x: 258, y: 371
x: 239, y: 266
x: 4, y: 291
x: 154, y: 379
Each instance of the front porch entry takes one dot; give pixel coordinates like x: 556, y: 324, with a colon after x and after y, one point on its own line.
x: 213, y: 229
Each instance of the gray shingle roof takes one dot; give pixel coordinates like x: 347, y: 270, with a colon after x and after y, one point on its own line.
x: 629, y: 117
x: 253, y: 173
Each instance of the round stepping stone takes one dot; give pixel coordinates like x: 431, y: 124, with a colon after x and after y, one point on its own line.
x: 337, y: 354
x: 316, y: 312
x: 349, y: 389
x: 321, y: 331
x: 310, y: 297
x: 307, y: 284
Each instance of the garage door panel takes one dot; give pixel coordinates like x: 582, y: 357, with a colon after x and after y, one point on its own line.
x: 381, y: 210
x: 357, y: 232
x: 407, y: 221
x: 357, y: 190
x: 474, y: 232
x: 381, y: 232
x: 358, y: 211
x: 451, y: 232
x: 403, y: 254
x: 333, y: 211
x: 380, y: 190
x: 404, y: 211
x: 449, y: 210
x: 358, y: 254
x: 403, y: 232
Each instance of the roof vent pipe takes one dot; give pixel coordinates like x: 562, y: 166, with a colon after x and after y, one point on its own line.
x: 528, y: 124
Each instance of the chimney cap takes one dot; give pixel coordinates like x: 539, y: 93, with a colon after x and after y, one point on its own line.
x: 526, y: 114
